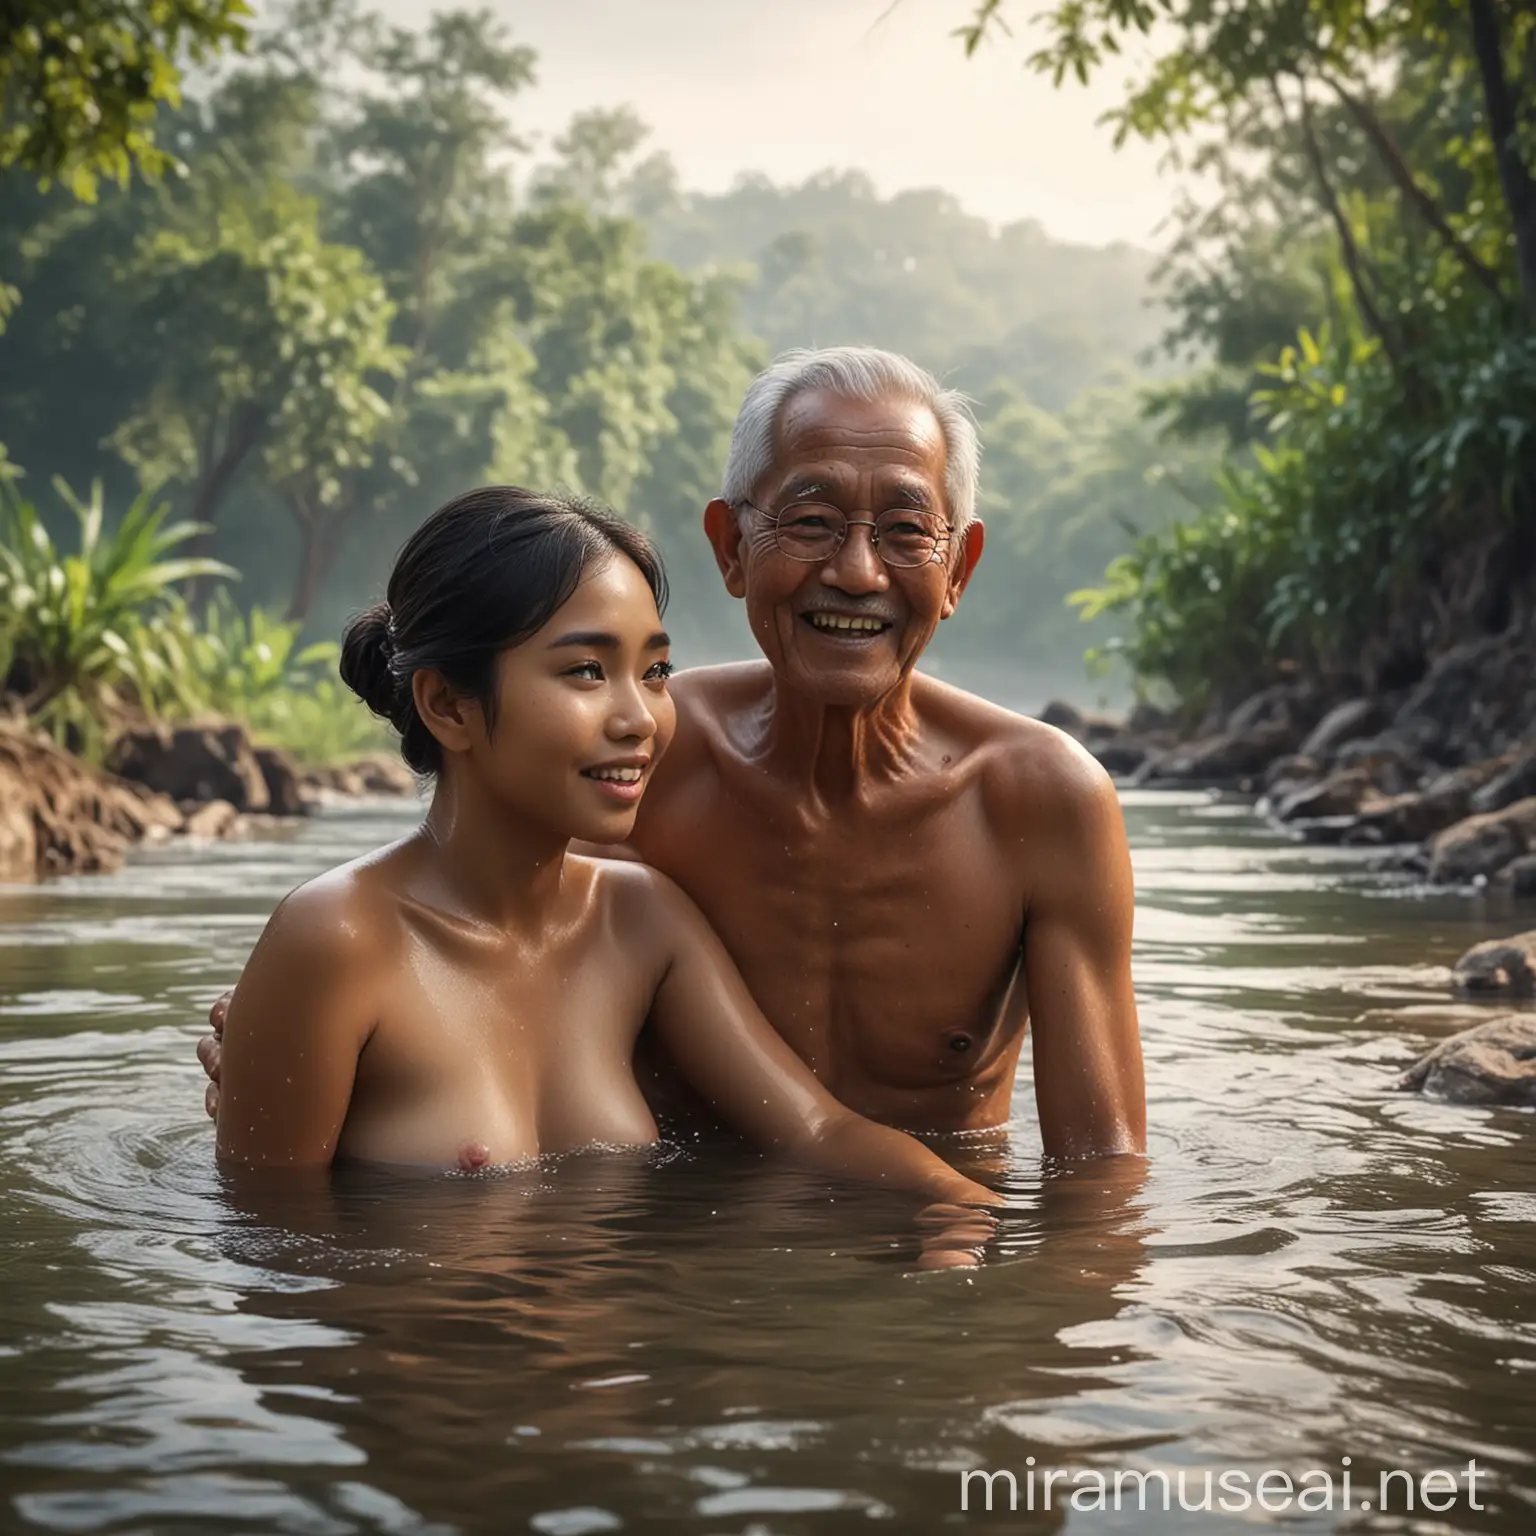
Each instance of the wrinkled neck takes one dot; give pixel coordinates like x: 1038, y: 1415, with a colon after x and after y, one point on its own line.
x: 833, y: 751
x: 495, y: 866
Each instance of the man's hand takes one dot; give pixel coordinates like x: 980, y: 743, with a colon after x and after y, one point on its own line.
x: 953, y: 1236
x: 209, y: 1048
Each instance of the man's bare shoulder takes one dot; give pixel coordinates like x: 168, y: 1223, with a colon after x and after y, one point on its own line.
x: 1033, y: 773
x: 708, y: 692
x: 712, y: 702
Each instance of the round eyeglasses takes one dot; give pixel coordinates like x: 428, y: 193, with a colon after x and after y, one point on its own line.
x: 903, y: 537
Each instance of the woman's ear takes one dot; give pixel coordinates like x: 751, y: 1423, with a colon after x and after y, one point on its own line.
x: 452, y: 718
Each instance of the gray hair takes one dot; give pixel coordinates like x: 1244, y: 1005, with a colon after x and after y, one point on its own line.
x: 852, y: 373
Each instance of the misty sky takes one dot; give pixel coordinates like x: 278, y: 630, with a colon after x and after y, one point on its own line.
x: 791, y: 86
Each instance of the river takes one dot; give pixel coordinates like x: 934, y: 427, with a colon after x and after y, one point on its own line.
x: 1313, y: 1268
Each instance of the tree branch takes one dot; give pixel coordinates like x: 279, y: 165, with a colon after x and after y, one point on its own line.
x: 1348, y: 246
x: 1502, y: 104
x: 1401, y: 172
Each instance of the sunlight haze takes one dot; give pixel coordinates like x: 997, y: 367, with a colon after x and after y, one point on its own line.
x: 793, y: 87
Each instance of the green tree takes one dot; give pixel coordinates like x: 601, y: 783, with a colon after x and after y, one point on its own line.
x: 81, y: 81
x: 267, y: 338
x: 1389, y: 506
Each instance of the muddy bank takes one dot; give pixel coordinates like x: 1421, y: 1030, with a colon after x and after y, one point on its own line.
x: 61, y: 815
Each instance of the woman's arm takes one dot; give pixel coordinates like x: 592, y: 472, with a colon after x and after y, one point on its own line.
x: 728, y: 1051
x: 297, y: 1022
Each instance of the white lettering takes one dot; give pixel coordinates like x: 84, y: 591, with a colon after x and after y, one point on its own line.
x: 988, y: 1478
x: 1261, y: 1487
x: 1449, y: 1490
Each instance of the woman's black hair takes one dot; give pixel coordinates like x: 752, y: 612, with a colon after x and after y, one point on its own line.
x: 482, y: 574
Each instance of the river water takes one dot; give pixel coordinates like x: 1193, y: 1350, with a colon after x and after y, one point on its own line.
x: 1312, y: 1268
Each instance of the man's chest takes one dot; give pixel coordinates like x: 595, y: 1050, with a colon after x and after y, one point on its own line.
x: 882, y: 942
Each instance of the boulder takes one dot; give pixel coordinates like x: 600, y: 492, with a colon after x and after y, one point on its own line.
x: 1146, y: 719
x: 192, y: 762
x: 279, y: 770
x: 1289, y: 773
x: 1340, y: 794
x: 378, y: 775
x: 1478, y: 846
x: 1520, y: 876
x: 1394, y: 766
x: 1410, y: 818
x: 1065, y: 717
x: 1292, y: 705
x: 1344, y: 722
x: 1492, y: 1063
x: 1119, y: 757
x: 1516, y: 782
x: 1226, y: 758
x: 214, y: 820
x: 1505, y: 966
x: 1477, y: 699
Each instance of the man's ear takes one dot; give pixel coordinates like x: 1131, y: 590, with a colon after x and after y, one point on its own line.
x: 723, y: 529
x: 451, y: 718
x: 965, y: 563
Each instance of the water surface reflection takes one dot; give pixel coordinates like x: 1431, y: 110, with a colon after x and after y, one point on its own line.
x: 689, y: 1340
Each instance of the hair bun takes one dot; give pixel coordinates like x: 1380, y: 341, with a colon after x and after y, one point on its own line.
x: 367, y: 657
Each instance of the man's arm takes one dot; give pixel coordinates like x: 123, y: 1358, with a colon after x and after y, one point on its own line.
x: 1089, y: 1084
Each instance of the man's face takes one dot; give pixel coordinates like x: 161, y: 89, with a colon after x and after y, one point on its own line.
x: 862, y: 460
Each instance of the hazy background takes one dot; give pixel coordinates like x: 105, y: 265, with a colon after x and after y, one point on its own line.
x: 407, y: 258
x: 793, y: 87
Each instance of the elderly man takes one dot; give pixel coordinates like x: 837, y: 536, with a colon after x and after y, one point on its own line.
x: 905, y: 874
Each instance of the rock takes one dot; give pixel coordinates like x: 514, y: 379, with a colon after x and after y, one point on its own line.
x: 1283, y: 704
x: 58, y: 815
x: 280, y: 771
x: 1120, y: 757
x: 1499, y: 965
x: 1395, y: 768
x: 385, y: 774
x: 192, y: 762
x: 1492, y: 1063
x: 1477, y: 699
x: 1411, y: 818
x: 1344, y: 722
x: 1520, y: 876
x: 1145, y: 720
x: 1293, y: 771
x: 377, y: 775
x: 212, y: 821
x: 1226, y: 758
x: 1516, y: 782
x: 1340, y: 794
x: 1476, y: 846
x: 1065, y: 717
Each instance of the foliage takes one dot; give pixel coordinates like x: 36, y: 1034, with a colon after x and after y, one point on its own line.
x: 268, y: 338
x: 1378, y: 201
x: 81, y: 81
x: 365, y: 296
x: 83, y: 636
x: 251, y: 667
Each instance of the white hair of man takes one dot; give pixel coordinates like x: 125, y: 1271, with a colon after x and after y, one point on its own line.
x: 851, y: 373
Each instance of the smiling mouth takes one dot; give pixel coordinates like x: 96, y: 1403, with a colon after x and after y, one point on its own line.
x: 845, y: 626
x: 627, y: 775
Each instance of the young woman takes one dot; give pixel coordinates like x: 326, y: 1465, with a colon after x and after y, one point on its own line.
x: 473, y: 993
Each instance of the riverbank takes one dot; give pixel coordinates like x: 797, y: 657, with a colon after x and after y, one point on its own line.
x: 61, y: 815
x: 1442, y: 774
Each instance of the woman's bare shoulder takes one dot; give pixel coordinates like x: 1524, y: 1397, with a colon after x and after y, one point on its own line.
x: 348, y: 915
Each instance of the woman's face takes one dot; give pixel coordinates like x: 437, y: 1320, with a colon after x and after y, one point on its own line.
x: 583, y: 714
